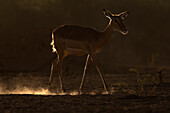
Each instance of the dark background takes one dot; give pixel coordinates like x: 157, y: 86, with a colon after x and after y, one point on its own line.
x: 26, y: 25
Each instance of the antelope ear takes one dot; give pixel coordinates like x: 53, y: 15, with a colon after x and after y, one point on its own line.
x: 123, y: 15
x: 107, y: 13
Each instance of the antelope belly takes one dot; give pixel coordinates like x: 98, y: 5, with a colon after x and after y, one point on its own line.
x: 76, y: 51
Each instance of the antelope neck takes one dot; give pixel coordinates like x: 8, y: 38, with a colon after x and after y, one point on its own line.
x: 106, y: 34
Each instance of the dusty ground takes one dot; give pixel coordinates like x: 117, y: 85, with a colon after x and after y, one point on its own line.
x: 132, y: 92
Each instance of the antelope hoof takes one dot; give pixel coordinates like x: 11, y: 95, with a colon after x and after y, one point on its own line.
x: 80, y: 92
x: 49, y: 89
x: 63, y: 90
x: 107, y: 92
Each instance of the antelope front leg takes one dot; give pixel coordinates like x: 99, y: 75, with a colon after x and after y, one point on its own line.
x: 93, y: 57
x: 84, y: 74
x: 60, y: 64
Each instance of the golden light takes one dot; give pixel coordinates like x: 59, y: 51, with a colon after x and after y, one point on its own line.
x: 42, y: 91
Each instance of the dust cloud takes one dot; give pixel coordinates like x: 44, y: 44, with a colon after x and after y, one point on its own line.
x: 36, y: 84
x: 22, y: 84
x: 42, y: 91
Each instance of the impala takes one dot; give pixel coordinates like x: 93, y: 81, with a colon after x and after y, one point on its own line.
x: 79, y: 41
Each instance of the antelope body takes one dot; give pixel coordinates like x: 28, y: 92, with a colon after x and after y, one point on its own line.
x: 79, y: 41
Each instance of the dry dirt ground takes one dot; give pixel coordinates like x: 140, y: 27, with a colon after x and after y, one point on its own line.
x: 131, y: 92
